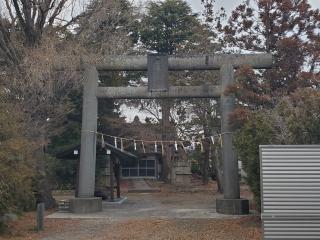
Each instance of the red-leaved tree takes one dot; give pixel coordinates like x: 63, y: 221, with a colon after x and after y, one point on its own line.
x: 289, y: 29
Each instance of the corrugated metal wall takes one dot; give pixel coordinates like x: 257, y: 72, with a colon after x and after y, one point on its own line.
x: 290, y: 191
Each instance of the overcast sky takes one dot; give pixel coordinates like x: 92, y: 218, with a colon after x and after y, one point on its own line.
x: 229, y: 4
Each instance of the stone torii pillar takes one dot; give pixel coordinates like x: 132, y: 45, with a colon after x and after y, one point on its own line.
x: 158, y: 67
x: 86, y: 202
x: 231, y: 203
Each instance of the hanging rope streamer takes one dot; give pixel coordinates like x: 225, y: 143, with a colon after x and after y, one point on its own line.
x: 184, y: 148
x: 155, y: 147
x: 144, y: 150
x: 152, y: 141
x: 162, y: 149
x: 121, y: 140
x: 115, y: 142
x: 103, y: 144
x: 212, y: 139
x: 193, y: 142
x: 201, y: 146
x: 135, y: 145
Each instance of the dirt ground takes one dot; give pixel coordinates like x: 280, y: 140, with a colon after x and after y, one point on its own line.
x: 246, y: 228
x: 239, y: 228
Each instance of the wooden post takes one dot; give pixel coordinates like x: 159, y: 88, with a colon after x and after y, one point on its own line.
x: 40, y: 216
x: 77, y: 178
x: 118, y: 180
x: 111, y: 179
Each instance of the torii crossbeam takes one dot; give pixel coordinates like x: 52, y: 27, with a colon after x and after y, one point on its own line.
x: 158, y: 67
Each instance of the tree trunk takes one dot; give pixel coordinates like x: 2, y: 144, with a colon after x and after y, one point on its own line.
x: 42, y: 186
x: 218, y: 166
x: 166, y: 162
x: 216, y: 152
x: 206, y: 151
x: 205, y: 161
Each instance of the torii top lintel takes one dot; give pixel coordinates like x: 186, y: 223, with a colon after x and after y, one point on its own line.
x: 195, y: 62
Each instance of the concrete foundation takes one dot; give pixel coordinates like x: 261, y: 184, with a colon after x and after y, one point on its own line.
x: 85, y: 205
x: 232, y: 206
x: 183, y: 179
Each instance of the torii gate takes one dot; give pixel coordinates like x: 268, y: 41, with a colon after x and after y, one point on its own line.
x: 158, y: 66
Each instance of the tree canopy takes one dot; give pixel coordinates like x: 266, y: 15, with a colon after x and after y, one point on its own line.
x: 167, y: 25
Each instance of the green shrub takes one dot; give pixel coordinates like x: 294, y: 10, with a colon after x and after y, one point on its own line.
x: 294, y: 120
x: 195, y: 167
x: 255, y: 132
x: 16, y: 196
x: 3, y: 225
x: 16, y: 165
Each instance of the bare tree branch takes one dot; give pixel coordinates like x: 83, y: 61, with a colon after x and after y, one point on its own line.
x: 34, y: 9
x: 18, y: 12
x: 6, y: 46
x: 13, y: 19
x: 57, y: 11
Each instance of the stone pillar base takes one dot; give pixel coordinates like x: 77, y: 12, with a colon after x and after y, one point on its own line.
x: 85, y: 205
x: 232, y: 206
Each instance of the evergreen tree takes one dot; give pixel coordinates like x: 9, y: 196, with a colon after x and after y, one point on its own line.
x: 165, y: 28
x: 167, y: 25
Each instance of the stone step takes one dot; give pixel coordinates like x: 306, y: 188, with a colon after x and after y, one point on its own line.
x: 183, y: 173
x: 141, y: 186
x: 181, y: 170
x: 183, y: 164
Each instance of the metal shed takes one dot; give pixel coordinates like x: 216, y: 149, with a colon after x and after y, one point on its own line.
x: 290, y: 191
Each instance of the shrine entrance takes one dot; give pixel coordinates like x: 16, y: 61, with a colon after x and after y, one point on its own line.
x: 158, y: 67
x: 144, y: 168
